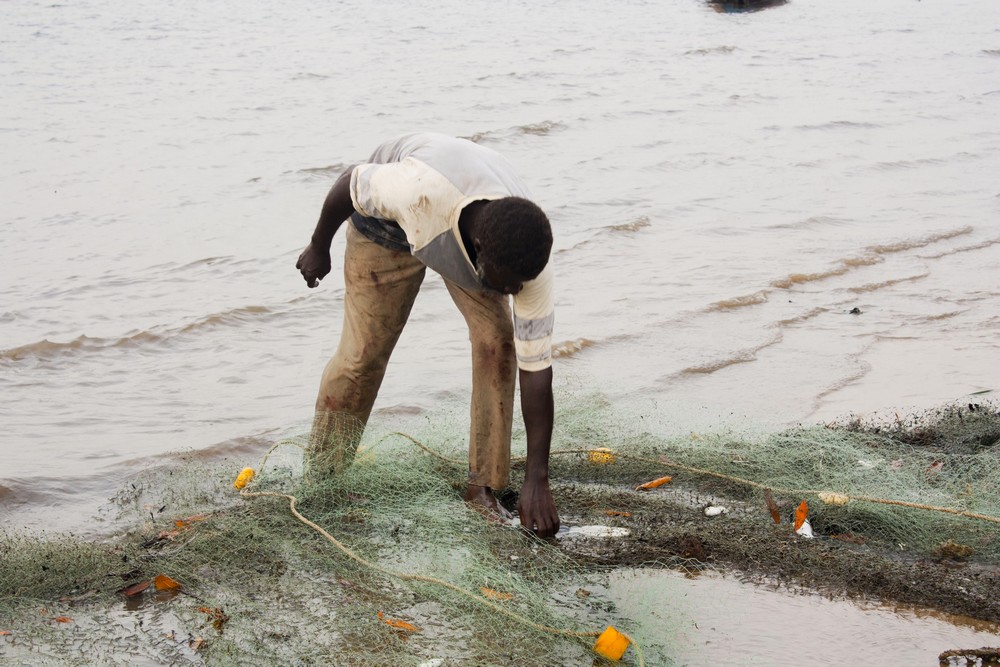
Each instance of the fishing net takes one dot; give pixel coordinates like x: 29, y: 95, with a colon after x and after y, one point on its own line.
x: 383, y: 564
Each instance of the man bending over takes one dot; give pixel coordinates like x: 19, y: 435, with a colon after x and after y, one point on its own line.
x: 429, y: 200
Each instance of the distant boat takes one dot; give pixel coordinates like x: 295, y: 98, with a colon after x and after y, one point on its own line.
x: 744, y: 5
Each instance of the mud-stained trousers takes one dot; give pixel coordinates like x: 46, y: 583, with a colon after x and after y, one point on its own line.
x: 380, y: 287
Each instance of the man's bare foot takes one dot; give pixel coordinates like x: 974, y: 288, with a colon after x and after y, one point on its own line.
x: 481, y: 499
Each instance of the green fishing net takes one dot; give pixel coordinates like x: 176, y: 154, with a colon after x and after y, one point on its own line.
x: 383, y: 564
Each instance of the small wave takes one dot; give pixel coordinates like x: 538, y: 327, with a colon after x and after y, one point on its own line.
x: 709, y: 50
x: 46, y: 349
x: 941, y: 316
x: 862, y: 369
x: 840, y: 125
x: 804, y: 317
x: 738, y: 357
x: 206, y: 261
x: 874, y: 287
x: 872, y: 255
x: 901, y: 246
x: 538, y: 129
x: 639, y: 223
x: 249, y: 445
x: 569, y: 348
x: 229, y: 317
x: 967, y: 248
x: 909, y: 164
x: 327, y: 172
x: 799, y: 278
x: 740, y: 301
x: 812, y: 222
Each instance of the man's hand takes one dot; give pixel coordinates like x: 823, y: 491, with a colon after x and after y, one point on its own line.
x: 537, y: 509
x: 314, y: 264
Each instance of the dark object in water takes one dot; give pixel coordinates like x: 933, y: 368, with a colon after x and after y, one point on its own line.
x: 729, y: 6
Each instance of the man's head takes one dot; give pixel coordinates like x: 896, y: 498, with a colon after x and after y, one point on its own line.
x: 513, y: 242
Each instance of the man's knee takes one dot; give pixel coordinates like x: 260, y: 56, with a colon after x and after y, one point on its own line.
x: 497, y: 337
x: 497, y: 347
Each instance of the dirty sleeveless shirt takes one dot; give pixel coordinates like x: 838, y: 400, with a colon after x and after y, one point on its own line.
x: 409, y: 196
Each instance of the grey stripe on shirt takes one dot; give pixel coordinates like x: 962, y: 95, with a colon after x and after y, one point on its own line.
x: 534, y: 329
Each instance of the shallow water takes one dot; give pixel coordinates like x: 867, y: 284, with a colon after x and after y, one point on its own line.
x: 725, y: 189
x: 714, y: 620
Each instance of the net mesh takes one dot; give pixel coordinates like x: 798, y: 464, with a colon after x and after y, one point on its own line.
x: 384, y: 564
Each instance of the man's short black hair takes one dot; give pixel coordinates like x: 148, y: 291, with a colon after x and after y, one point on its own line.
x: 515, y: 233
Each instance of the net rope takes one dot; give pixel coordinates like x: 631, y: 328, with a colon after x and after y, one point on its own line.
x: 672, y: 465
x: 246, y: 492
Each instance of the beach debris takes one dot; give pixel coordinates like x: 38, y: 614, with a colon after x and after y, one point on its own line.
x: 801, y: 512
x: 601, y: 456
x: 934, y: 470
x: 594, y: 531
x: 952, y: 550
x: 398, y: 624
x: 660, y: 481
x: 495, y: 595
x: 970, y: 657
x: 802, y: 526
x: 772, y: 506
x: 831, y: 498
x: 611, y: 644
x: 617, y: 513
x: 189, y: 521
x: 216, y: 616
x: 244, y: 478
x: 433, y: 662
x: 62, y: 619
x: 135, y: 589
x: 716, y: 510
x: 582, y: 593
x: 691, y: 547
x: 74, y: 599
x: 805, y: 530
x: 165, y: 583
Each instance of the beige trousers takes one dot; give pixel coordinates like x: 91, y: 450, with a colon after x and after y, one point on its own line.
x: 380, y: 286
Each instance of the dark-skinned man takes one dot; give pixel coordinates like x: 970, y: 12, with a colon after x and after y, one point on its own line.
x: 429, y: 200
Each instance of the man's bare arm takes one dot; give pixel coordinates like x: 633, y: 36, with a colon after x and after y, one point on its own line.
x: 314, y: 262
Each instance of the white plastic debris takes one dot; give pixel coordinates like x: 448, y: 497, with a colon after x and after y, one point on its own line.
x: 805, y: 530
x: 715, y: 510
x: 594, y: 531
x: 435, y: 662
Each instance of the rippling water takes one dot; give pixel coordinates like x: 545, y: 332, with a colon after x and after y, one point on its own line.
x: 725, y: 189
